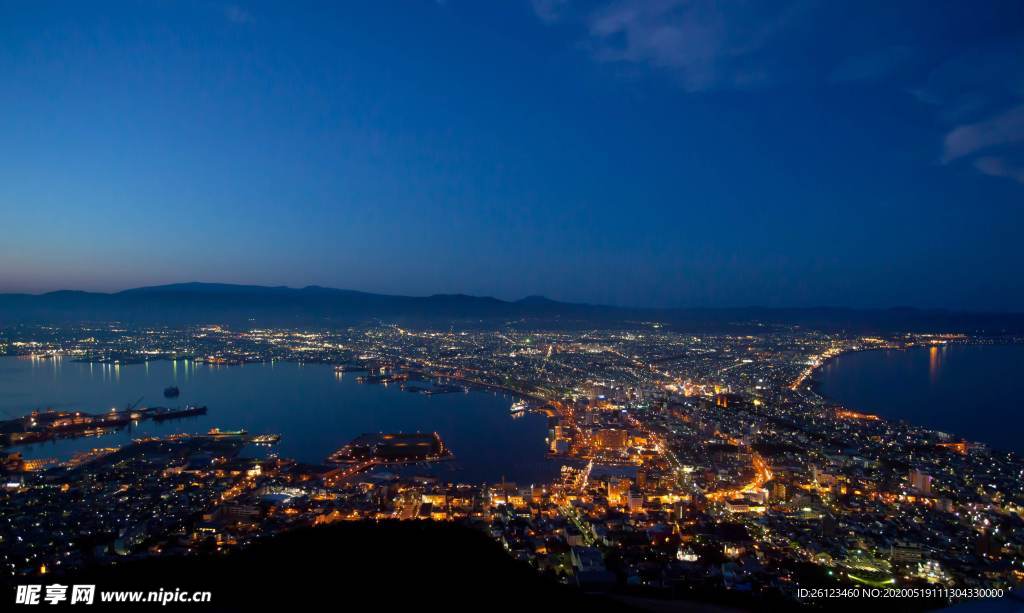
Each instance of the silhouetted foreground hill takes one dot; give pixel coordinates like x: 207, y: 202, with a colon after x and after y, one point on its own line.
x: 192, y: 303
x: 391, y: 566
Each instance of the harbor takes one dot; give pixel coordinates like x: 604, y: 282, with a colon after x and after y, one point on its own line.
x: 309, y: 409
x: 392, y: 448
x: 39, y: 426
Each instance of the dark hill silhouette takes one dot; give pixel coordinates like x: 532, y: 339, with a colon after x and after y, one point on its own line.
x: 350, y: 566
x: 191, y: 303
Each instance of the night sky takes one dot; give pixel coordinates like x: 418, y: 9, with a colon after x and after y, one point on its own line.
x: 655, y: 153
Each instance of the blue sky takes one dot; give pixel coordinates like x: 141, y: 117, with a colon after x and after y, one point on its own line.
x: 659, y: 152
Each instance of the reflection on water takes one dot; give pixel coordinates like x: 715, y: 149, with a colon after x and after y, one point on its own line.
x: 974, y: 391
x: 314, y: 409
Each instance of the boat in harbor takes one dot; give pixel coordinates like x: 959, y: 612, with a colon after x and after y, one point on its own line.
x: 349, y: 367
x: 265, y: 439
x: 384, y: 379
x: 219, y: 432
x: 519, y: 406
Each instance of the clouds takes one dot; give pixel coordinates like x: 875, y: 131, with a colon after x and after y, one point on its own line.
x: 999, y: 167
x: 685, y: 37
x: 237, y: 15
x: 705, y: 45
x: 972, y: 85
x: 975, y: 81
x: 980, y: 95
x: 549, y: 11
x: 1005, y: 128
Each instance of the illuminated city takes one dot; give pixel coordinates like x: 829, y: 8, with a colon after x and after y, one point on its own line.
x: 525, y: 305
x: 706, y: 461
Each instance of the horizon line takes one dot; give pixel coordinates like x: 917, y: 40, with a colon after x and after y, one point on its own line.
x: 522, y: 299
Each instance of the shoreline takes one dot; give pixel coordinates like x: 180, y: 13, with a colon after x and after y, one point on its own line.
x: 815, y: 383
x: 419, y: 409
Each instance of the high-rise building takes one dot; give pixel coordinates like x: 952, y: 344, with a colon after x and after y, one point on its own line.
x: 920, y: 481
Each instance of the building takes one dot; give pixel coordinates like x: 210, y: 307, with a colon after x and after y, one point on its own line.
x: 611, y: 438
x: 920, y: 481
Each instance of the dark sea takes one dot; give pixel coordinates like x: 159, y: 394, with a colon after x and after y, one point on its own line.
x: 314, y: 409
x: 971, y: 391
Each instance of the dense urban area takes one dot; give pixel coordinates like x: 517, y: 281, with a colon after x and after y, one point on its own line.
x: 691, y: 464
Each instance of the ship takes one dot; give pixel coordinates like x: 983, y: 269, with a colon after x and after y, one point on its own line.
x: 219, y: 432
x: 349, y: 367
x: 265, y: 439
x: 189, y: 411
x: 171, y: 392
x: 519, y: 407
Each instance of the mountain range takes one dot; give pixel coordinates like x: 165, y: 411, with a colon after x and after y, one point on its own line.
x: 250, y: 305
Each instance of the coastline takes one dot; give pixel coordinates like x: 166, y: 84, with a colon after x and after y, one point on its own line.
x: 332, y: 408
x: 814, y: 386
x: 814, y: 381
